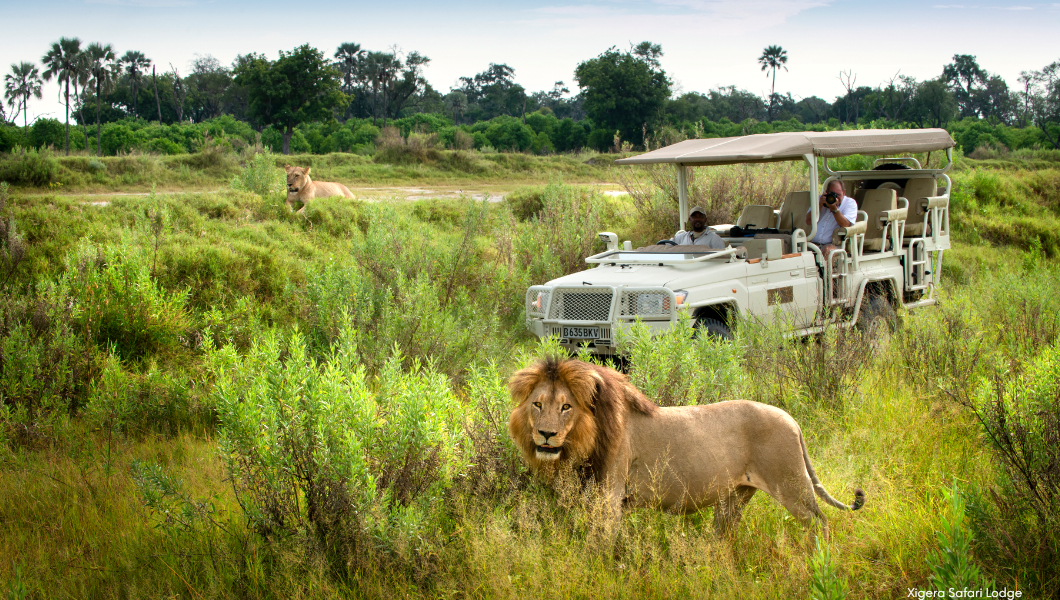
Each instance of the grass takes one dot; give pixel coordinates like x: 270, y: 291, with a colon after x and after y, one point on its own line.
x: 106, y: 494
x: 138, y: 173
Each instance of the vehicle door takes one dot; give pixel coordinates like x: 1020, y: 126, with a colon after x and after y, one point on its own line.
x: 786, y: 289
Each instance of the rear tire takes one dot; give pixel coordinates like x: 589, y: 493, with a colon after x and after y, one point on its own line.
x: 712, y: 328
x: 877, y: 321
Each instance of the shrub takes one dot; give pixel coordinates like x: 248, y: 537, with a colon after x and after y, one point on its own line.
x: 806, y: 373
x: 29, y: 167
x: 952, y: 567
x: 601, y: 140
x: 163, y: 146
x: 116, y: 302
x: 313, y: 449
x: 673, y: 369
x: 117, y: 139
x: 47, y: 132
x: 417, y: 148
x: 261, y: 176
x: 825, y: 583
x: 563, y: 234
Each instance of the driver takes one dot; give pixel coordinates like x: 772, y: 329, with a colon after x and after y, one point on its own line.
x: 836, y: 210
x: 700, y: 235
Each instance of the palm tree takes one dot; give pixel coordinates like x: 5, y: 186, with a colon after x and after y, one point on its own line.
x: 103, y: 69
x: 773, y: 58
x: 61, y: 62
x: 23, y: 81
x: 348, y: 58
x: 135, y: 64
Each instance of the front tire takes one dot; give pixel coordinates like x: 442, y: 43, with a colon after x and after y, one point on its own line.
x: 712, y: 328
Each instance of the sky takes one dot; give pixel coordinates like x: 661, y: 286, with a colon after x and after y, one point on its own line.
x: 706, y: 43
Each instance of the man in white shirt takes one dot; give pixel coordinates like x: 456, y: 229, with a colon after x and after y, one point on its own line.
x: 700, y: 234
x: 836, y: 210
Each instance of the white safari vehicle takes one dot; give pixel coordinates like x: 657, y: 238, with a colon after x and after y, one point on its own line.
x: 891, y: 256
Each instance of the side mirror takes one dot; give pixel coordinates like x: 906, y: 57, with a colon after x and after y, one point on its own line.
x: 609, y: 239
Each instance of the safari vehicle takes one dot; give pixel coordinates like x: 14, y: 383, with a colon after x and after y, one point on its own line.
x: 890, y: 257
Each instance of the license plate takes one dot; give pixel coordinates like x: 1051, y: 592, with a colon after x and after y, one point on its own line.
x: 584, y: 333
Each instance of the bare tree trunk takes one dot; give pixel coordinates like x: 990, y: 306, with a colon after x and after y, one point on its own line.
x: 99, y: 138
x: 287, y: 133
x: 67, y: 80
x: 154, y: 79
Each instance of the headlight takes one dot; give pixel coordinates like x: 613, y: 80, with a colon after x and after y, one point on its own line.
x: 539, y: 303
x: 680, y: 295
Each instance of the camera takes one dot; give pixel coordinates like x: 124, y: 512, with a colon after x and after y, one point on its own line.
x: 830, y: 198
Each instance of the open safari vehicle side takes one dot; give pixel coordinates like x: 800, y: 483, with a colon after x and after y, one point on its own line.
x: 890, y: 257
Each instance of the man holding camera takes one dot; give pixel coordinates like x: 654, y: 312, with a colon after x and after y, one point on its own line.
x: 836, y: 210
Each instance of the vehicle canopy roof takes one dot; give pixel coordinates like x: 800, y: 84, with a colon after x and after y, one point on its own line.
x: 774, y: 147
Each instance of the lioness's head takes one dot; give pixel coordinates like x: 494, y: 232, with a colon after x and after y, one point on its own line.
x: 553, y: 419
x: 297, y: 178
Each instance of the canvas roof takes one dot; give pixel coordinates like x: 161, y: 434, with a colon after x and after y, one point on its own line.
x: 772, y: 147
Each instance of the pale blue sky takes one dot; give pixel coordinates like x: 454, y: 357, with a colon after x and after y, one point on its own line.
x: 707, y: 43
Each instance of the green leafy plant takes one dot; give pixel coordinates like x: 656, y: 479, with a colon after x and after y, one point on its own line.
x: 260, y: 176
x: 312, y: 448
x: 825, y: 581
x: 952, y: 566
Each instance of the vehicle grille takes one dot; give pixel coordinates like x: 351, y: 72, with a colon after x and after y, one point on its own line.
x: 644, y: 304
x: 590, y: 304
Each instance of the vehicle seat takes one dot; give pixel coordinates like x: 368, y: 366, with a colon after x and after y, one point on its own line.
x: 921, y: 187
x: 877, y: 201
x: 793, y: 211
x: 761, y: 216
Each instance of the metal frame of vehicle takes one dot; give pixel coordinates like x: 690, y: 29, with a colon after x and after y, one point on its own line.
x: 817, y: 290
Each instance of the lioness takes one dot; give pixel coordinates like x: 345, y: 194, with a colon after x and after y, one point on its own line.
x: 300, y: 187
x: 681, y: 459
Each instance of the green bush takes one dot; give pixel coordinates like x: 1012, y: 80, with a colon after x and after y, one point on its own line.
x: 29, y: 167
x: 952, y: 567
x: 163, y: 146
x: 47, y: 132
x: 261, y: 176
x: 117, y: 303
x: 314, y: 450
x: 509, y: 134
x: 10, y: 137
x: 116, y: 138
x: 674, y: 369
x: 601, y: 140
x: 825, y: 583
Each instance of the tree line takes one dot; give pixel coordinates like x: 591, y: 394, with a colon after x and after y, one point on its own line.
x: 623, y: 95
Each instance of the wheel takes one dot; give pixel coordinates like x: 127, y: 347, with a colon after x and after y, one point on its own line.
x: 712, y: 328
x: 666, y: 242
x: 877, y: 321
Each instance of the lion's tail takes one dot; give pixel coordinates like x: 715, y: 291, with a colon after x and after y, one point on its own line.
x: 818, y: 487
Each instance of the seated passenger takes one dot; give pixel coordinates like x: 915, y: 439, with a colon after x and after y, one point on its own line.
x: 836, y: 210
x: 700, y: 235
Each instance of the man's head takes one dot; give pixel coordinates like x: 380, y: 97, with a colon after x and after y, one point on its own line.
x: 698, y: 219
x: 836, y: 186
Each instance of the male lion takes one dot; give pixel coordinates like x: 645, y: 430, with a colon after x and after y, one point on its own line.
x: 300, y: 187
x: 680, y: 459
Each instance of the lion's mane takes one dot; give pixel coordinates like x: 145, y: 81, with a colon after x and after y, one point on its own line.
x: 604, y: 398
